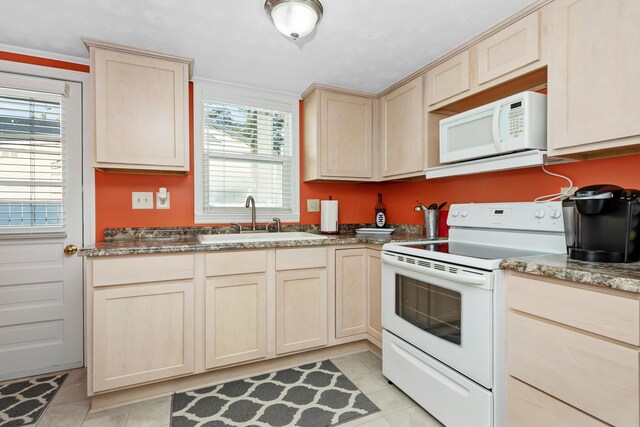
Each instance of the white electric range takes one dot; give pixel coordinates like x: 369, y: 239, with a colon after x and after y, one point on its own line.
x: 443, y: 308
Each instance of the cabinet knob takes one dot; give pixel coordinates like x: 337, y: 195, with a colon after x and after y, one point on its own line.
x: 70, y: 249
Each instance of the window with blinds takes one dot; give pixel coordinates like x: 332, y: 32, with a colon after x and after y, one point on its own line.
x: 31, y: 156
x: 247, y: 150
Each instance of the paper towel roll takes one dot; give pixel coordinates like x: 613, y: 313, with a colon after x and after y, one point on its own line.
x: 329, y: 216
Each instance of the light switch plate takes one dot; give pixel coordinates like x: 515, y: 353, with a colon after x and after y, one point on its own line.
x: 141, y: 200
x: 313, y: 205
x: 166, y: 204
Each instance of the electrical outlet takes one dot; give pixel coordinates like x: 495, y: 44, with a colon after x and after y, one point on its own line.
x: 571, y: 192
x: 141, y: 200
x: 163, y: 203
x: 313, y: 205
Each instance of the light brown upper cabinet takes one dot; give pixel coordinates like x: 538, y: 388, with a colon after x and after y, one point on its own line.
x: 402, y: 134
x: 593, y: 76
x: 141, y: 108
x: 448, y: 79
x: 338, y: 136
x: 510, y: 49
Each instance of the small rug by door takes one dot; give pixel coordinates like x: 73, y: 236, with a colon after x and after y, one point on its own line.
x: 312, y: 395
x: 22, y: 402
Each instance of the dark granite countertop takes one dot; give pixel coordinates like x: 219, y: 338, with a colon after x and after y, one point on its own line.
x: 624, y: 277
x: 156, y: 241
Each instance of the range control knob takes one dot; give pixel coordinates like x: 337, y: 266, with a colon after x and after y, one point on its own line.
x: 555, y: 213
x: 464, y: 213
x: 539, y: 213
x: 454, y: 213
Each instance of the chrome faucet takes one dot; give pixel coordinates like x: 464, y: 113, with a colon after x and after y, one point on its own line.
x: 252, y: 203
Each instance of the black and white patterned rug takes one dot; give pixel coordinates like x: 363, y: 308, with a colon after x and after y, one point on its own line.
x: 312, y: 395
x: 22, y: 402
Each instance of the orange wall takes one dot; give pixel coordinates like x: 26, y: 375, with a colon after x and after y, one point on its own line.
x: 113, y: 191
x: 509, y: 186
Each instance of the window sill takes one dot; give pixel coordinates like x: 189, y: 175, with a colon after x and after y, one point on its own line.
x: 226, y: 218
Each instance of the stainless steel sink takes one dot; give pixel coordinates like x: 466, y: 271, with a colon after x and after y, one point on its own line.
x: 258, y: 237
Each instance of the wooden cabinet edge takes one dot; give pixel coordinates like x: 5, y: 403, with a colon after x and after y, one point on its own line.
x: 94, y: 43
x: 598, y: 150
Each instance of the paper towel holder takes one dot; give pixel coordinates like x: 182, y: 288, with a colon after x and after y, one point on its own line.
x: 329, y: 220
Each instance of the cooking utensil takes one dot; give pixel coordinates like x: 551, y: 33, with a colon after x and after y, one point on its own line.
x: 442, y: 205
x: 433, y: 206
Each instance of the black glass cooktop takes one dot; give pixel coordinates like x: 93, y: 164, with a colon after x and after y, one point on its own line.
x: 474, y: 251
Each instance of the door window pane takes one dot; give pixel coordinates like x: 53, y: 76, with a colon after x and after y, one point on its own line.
x: 31, y: 156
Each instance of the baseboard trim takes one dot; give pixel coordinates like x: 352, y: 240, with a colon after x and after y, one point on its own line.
x: 104, y: 401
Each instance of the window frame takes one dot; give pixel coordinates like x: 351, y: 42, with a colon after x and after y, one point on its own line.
x: 235, y: 94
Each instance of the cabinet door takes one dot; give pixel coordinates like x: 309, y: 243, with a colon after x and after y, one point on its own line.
x: 509, y: 49
x: 351, y: 292
x: 346, y: 123
x: 402, y: 132
x: 374, y: 268
x: 301, y: 310
x: 593, y: 75
x: 142, y: 333
x: 448, y: 79
x: 141, y: 111
x: 236, y: 319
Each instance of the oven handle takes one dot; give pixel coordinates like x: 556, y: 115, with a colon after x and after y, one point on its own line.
x: 467, y: 280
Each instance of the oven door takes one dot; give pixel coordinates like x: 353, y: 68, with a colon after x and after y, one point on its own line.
x: 443, y: 309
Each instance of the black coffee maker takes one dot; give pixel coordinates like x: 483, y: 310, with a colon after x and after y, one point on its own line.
x: 602, y: 224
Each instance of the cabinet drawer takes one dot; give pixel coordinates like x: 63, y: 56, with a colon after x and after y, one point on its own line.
x: 294, y: 259
x: 512, y: 48
x: 448, y: 79
x: 594, y: 375
x: 240, y: 262
x: 612, y: 316
x: 141, y: 269
x: 529, y: 407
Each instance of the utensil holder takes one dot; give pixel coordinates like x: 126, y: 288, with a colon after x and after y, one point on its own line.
x: 431, y: 223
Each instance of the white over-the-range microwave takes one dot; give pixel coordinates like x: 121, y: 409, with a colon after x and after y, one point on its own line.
x: 516, y: 123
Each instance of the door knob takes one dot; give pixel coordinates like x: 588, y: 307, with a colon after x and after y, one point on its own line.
x: 70, y: 249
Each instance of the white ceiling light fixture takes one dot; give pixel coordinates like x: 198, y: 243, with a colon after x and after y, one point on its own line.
x: 294, y: 18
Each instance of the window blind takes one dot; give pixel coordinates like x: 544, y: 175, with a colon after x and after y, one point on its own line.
x: 31, y: 160
x: 247, y: 150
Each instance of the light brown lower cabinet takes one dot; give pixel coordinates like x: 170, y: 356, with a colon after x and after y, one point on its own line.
x: 567, y: 347
x: 374, y: 306
x: 301, y: 309
x: 142, y: 310
x: 358, y: 293
x: 236, y: 319
x: 351, y: 292
x: 142, y: 333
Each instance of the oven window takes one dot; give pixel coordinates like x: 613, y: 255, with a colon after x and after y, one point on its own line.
x: 429, y: 307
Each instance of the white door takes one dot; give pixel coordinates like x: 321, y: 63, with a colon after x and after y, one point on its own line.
x: 41, y: 293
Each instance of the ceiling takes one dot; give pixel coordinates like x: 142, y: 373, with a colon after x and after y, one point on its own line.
x: 365, y: 45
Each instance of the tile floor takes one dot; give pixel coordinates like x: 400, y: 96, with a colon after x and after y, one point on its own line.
x: 70, y: 406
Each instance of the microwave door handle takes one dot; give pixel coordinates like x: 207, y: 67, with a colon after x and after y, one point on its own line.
x: 467, y: 280
x: 495, y: 128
